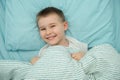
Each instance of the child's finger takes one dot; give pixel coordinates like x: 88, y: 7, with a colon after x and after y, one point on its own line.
x: 72, y: 55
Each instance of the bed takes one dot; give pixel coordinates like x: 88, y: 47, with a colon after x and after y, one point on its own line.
x: 93, y: 22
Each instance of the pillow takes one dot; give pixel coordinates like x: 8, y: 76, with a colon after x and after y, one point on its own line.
x: 21, y: 30
x: 88, y: 22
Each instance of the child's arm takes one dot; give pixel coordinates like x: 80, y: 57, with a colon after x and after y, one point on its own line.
x: 34, y: 60
x: 77, y: 56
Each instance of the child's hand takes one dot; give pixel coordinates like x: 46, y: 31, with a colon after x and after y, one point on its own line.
x: 34, y: 60
x: 77, y: 56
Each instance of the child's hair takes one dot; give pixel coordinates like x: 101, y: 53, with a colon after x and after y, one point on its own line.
x: 50, y: 10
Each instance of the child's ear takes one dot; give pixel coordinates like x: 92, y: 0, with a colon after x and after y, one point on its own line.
x: 65, y: 25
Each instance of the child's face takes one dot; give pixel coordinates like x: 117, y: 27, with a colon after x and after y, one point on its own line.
x: 52, y: 29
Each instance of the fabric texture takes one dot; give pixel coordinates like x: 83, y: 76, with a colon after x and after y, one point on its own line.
x: 102, y: 63
x: 73, y: 45
x: 22, y: 34
x: 99, y: 63
x: 90, y: 22
x: 64, y: 60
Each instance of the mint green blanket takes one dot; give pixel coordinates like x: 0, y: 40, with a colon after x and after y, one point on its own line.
x: 99, y: 63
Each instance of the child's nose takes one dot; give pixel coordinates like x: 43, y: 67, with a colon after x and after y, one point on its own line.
x: 48, y: 31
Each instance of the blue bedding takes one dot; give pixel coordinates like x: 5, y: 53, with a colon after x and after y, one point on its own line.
x: 94, y: 23
x: 99, y: 63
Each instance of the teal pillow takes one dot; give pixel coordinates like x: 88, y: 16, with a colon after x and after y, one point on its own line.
x: 21, y: 29
x: 89, y: 21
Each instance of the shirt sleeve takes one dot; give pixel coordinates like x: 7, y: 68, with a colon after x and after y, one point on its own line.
x: 78, y: 45
x: 42, y: 50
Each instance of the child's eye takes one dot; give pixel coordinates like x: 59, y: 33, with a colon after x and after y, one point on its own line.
x: 42, y: 29
x: 52, y: 26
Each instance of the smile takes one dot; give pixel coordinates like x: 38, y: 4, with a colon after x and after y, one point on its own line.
x: 51, y: 37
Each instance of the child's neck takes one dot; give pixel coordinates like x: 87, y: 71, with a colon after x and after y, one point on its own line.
x: 66, y: 43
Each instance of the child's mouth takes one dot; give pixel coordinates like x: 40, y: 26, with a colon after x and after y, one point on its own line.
x: 50, y: 37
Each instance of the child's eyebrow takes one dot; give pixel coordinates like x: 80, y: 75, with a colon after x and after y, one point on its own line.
x: 42, y: 27
x: 45, y: 26
x: 51, y: 23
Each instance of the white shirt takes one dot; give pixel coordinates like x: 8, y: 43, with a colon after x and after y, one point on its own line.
x: 73, y: 45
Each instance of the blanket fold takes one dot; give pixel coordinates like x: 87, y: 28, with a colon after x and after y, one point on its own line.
x: 99, y: 63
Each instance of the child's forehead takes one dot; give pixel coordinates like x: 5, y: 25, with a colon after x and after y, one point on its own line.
x: 47, y: 22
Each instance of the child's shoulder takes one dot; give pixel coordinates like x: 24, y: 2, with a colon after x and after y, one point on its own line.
x: 77, y: 44
x: 74, y: 40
